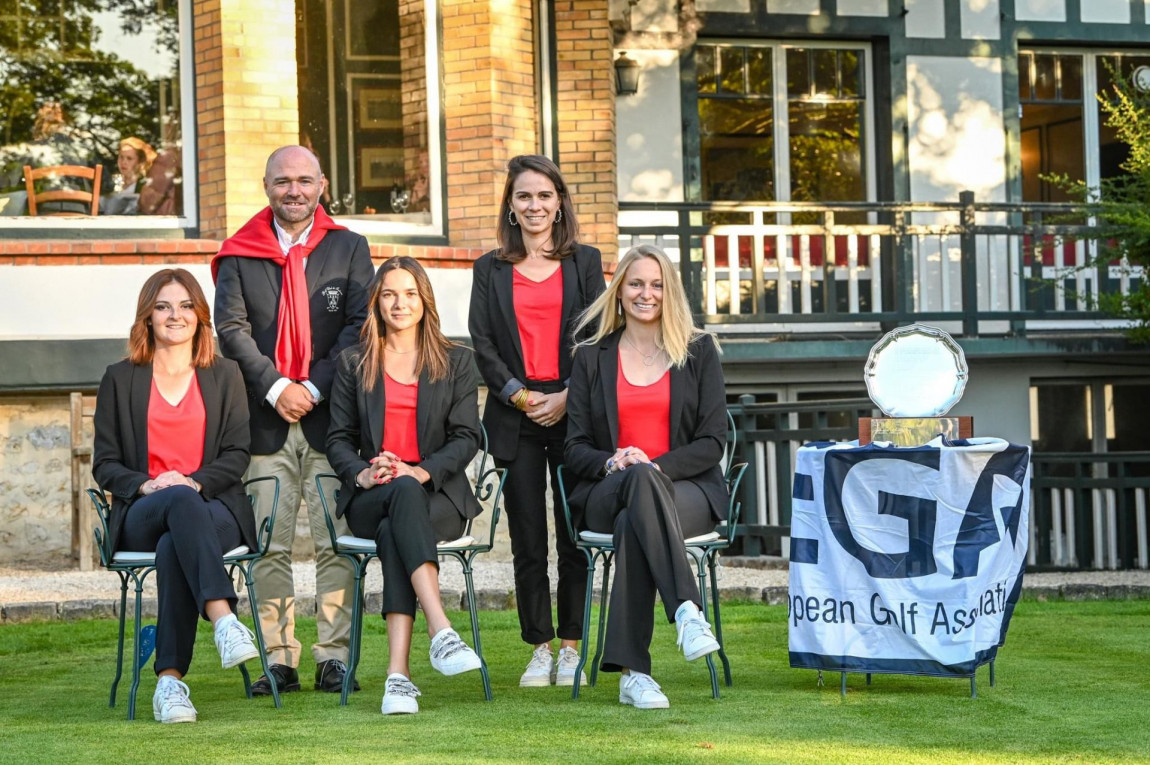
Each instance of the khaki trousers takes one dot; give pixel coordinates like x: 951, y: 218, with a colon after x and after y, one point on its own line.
x: 296, y: 465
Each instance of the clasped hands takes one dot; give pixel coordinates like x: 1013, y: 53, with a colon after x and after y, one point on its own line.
x: 166, y: 480
x: 294, y: 402
x: 547, y: 409
x: 626, y: 456
x: 387, y: 467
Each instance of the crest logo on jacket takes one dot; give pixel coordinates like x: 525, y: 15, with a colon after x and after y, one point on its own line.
x: 333, y: 294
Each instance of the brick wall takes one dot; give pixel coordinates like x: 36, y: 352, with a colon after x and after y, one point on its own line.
x: 586, y: 117
x: 489, y: 106
x: 247, y: 103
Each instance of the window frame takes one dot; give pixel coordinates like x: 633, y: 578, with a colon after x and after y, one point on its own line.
x: 189, y: 154
x: 780, y: 104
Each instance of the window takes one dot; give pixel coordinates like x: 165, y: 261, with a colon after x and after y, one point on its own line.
x: 1062, y: 131
x: 369, y: 107
x: 96, y: 82
x: 782, y: 122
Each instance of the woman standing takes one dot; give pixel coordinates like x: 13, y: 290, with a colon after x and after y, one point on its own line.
x: 647, y: 426
x: 525, y: 298
x: 404, y: 426
x: 171, y: 447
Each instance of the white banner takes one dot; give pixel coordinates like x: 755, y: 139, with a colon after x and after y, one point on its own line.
x: 906, y: 560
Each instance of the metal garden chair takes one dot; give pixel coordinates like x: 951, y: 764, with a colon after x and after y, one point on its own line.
x: 135, y: 567
x: 360, y: 551
x: 703, y: 550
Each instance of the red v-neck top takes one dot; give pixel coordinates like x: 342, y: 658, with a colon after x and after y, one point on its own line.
x: 400, y: 435
x: 176, y: 433
x: 644, y: 414
x: 538, y: 311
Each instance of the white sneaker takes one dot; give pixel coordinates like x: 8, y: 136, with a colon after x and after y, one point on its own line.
x: 540, y: 669
x: 565, y: 668
x: 695, y: 636
x: 399, y: 696
x: 641, y: 691
x: 450, y: 655
x: 235, y: 643
x: 170, y: 702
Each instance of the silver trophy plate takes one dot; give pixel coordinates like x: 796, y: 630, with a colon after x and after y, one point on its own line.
x: 916, y: 371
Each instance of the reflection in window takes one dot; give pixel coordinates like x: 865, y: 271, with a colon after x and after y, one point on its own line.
x: 825, y: 110
x: 1050, y: 91
x: 363, y: 96
x: 92, y: 82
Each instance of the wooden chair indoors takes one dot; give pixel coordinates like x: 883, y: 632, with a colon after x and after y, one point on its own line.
x: 91, y: 198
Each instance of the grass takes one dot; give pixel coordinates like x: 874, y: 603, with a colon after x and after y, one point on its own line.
x: 1073, y: 687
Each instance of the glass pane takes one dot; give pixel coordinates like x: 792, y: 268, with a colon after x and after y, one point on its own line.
x: 798, y: 73
x: 1113, y: 153
x: 759, y: 75
x: 1052, y: 142
x: 1063, y: 418
x: 1025, y: 68
x: 826, y: 73
x: 1044, y: 77
x: 1130, y: 417
x: 731, y: 70
x: 736, y: 149
x: 851, y: 73
x: 108, y: 95
x: 705, y: 68
x: 1071, y: 77
x: 826, y: 152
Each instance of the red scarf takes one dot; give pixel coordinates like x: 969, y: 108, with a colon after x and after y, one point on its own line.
x: 257, y: 239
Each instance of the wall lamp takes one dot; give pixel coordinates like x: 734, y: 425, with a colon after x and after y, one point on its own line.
x: 626, y: 75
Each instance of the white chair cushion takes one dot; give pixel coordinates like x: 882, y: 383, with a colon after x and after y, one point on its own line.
x: 597, y: 537
x: 348, y: 543
x: 702, y: 539
x: 455, y: 543
x: 148, y: 558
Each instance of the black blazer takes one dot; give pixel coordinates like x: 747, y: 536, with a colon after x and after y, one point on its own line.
x: 698, y: 421
x: 495, y: 334
x: 446, y: 423
x: 338, y: 273
x: 120, y: 452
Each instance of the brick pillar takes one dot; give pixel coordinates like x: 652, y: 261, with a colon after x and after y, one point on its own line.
x: 490, y: 108
x: 586, y: 119
x: 247, y: 101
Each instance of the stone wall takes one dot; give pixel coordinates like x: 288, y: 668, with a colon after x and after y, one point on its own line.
x: 35, y: 478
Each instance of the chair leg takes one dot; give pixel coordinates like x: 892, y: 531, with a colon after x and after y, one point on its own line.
x: 120, y: 643
x: 710, y: 657
x: 608, y: 558
x: 254, y: 605
x: 356, y: 629
x: 136, y: 648
x: 469, y: 581
x: 715, y: 600
x: 587, y: 598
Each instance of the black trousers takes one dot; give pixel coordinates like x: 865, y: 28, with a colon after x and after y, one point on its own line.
x: 649, y: 516
x: 405, y: 522
x: 189, y: 535
x: 525, y: 495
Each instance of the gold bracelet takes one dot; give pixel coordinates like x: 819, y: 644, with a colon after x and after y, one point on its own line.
x: 519, y: 400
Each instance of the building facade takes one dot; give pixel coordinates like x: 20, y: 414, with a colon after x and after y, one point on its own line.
x: 805, y: 161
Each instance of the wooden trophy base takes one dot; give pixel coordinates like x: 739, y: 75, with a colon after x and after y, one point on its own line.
x: 913, y: 431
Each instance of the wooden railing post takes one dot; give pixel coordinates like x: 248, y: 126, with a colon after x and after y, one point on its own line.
x: 752, y: 514
x: 968, y: 252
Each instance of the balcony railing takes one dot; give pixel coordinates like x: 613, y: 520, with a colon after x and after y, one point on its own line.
x: 974, y: 268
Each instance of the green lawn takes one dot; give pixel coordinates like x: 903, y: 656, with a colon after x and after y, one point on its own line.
x: 1073, y: 686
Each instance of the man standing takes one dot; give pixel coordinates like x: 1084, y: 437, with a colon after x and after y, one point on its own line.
x: 291, y: 293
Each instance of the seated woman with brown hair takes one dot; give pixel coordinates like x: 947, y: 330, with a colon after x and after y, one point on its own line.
x: 404, y: 426
x: 171, y: 448
x: 646, y: 427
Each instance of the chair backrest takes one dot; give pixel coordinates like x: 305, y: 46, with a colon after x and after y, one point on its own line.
x: 100, y: 533
x: 729, y: 446
x: 89, y: 198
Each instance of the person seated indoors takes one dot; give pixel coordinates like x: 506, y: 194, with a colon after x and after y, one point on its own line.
x: 404, y: 427
x: 646, y: 412
x: 134, y: 162
x: 171, y: 447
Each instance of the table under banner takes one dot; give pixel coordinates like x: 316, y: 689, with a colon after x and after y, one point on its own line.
x: 906, y: 560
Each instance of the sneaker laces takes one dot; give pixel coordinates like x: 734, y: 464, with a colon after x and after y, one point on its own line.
x: 237, y: 634
x: 173, y: 692
x: 641, y: 683
x: 691, y: 628
x: 447, y: 646
x: 540, y: 659
x: 398, y: 685
x: 568, y: 657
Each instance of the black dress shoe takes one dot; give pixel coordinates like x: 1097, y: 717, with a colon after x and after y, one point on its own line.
x: 287, y: 680
x: 329, y: 676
